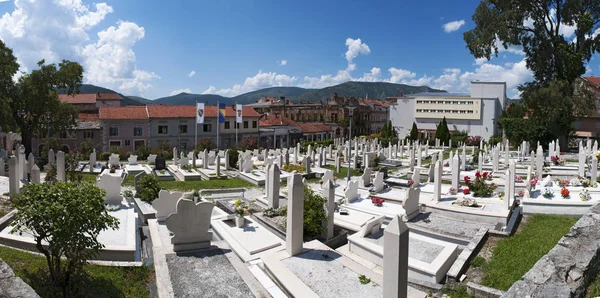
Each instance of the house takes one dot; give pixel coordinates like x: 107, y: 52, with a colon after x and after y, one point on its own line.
x: 277, y: 131
x: 87, y: 129
x: 126, y: 128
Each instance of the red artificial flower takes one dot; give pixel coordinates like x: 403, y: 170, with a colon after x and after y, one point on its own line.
x: 477, y: 174
x: 467, y: 179
x: 485, y: 174
x: 466, y: 191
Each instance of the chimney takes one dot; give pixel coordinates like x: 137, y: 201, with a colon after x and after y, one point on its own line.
x: 98, y: 94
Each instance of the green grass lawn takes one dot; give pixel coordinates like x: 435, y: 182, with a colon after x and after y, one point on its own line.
x: 88, y: 177
x: 129, y: 180
x: 344, y: 172
x: 98, y: 281
x: 204, y: 184
x: 514, y: 256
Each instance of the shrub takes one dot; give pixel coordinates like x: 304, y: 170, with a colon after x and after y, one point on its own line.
x: 104, y: 156
x: 442, y: 132
x: 494, y: 140
x: 314, y: 213
x: 233, y: 158
x: 478, y: 186
x: 85, y: 147
x: 205, y: 144
x: 50, y: 173
x: 67, y: 219
x: 248, y: 143
x: 117, y: 150
x: 147, y: 188
x: 414, y: 133
x: 142, y: 152
x: 71, y: 164
x: 293, y: 167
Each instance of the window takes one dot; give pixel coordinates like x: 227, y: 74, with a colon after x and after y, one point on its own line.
x: 245, y: 124
x: 88, y: 134
x: 127, y: 142
x: 227, y: 124
x: 137, y: 131
x: 254, y: 124
x: 207, y: 128
x: 114, y: 132
x: 138, y: 144
x: 114, y: 144
x: 163, y: 129
x: 183, y: 128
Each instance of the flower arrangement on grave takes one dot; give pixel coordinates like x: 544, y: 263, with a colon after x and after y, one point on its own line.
x: 240, y: 208
x: 565, y: 193
x: 518, y: 179
x: 533, y: 182
x: 452, y: 191
x: 556, y: 160
x: 563, y: 182
x: 585, y: 182
x: 377, y: 201
x: 597, y: 154
x: 584, y: 195
x: 478, y: 186
x: 446, y: 164
x: 548, y: 193
x: 466, y: 191
x: 501, y: 195
x: 521, y: 193
x: 410, y: 182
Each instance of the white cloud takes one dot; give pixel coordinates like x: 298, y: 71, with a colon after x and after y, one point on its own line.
x: 372, y: 76
x: 192, y: 73
x: 399, y: 75
x: 56, y: 30
x: 355, y: 48
x: 453, y: 26
x: 186, y: 90
x: 480, y: 61
x: 282, y: 62
x: 4, y: 0
x: 259, y: 81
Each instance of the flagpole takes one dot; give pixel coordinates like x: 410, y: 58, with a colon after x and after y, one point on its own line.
x: 218, y: 124
x: 196, y: 130
x: 236, y: 124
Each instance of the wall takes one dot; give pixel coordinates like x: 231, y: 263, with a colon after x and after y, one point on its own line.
x: 402, y: 115
x: 125, y: 133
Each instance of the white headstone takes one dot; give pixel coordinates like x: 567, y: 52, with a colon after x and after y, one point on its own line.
x: 132, y: 160
x: 35, y: 174
x: 295, y: 215
x: 114, y: 160
x: 437, y: 181
x: 594, y: 170
x: 366, y: 177
x: 455, y: 172
x: 112, y: 186
x: 189, y: 224
x: 93, y: 158
x: 329, y: 195
x: 30, y: 162
x: 13, y: 178
x: 395, y: 258
x: 378, y: 182
x: 274, y: 181
x: 51, y: 157
x: 582, y: 157
x: 352, y: 191
x: 60, y: 166
x: 218, y: 166
x: 166, y: 203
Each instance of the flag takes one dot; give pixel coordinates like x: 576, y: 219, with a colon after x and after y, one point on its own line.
x: 221, y: 113
x: 238, y: 113
x: 199, y: 112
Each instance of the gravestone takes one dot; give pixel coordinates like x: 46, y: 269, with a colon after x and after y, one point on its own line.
x: 395, y: 258
x: 92, y: 159
x: 286, y: 158
x: 30, y: 162
x: 184, y: 161
x: 51, y: 157
x: 410, y: 204
x: 166, y: 203
x: 205, y: 159
x: 463, y: 160
x: 152, y: 159
x: 2, y: 169
x: 132, y: 160
x: 480, y: 162
x: 307, y: 164
x: 267, y: 180
x: 455, y: 172
x: 174, y: 156
x: 416, y: 177
x: 112, y: 186
x: 594, y: 170
x: 189, y: 225
x: 35, y: 174
x: 513, y: 170
x: 366, y: 177
x: 218, y: 166
x: 295, y: 217
x: 337, y: 164
x: 274, y: 180
x: 22, y: 163
x: 437, y: 180
x: 13, y: 178
x: 60, y: 166
x: 354, y: 161
x: 226, y: 160
x: 161, y: 164
x: 378, y: 182
x: 327, y: 176
x: 384, y: 170
x: 411, y: 158
x: 581, y: 168
x: 508, y: 185
x: 539, y: 162
x: 248, y: 165
x: 352, y: 191
x: 113, y: 160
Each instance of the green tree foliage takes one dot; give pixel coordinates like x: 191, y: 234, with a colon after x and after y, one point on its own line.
x: 442, y: 132
x: 65, y: 220
x: 71, y: 163
x: 389, y: 134
x: 414, y: 133
x: 142, y: 152
x: 233, y: 158
x: 30, y: 105
x: 314, y: 213
x: 557, y: 96
x: 147, y: 188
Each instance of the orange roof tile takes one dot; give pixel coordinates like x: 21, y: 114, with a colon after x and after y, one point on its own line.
x: 274, y: 120
x: 108, y: 96
x: 78, y: 98
x: 157, y: 111
x: 313, y: 127
x: 87, y: 117
x: 594, y: 80
x: 123, y: 113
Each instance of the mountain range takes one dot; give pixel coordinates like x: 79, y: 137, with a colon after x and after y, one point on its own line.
x: 296, y: 94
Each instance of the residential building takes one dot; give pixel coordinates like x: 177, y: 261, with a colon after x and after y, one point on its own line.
x: 87, y: 129
x: 124, y: 127
x: 177, y: 125
x: 476, y: 112
x: 277, y: 131
x: 91, y: 102
x: 589, y: 126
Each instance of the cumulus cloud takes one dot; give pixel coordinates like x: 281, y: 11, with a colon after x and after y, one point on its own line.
x: 399, y: 75
x: 282, y: 62
x: 453, y: 26
x: 355, y: 48
x: 185, y: 90
x: 259, y: 81
x: 372, y: 76
x: 192, y: 73
x: 56, y: 30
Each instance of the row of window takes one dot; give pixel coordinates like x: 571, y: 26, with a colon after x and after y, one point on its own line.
x: 118, y: 143
x: 447, y: 102
x: 183, y: 129
x: 445, y: 111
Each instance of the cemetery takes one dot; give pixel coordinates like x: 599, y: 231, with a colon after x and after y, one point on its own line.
x: 427, y: 209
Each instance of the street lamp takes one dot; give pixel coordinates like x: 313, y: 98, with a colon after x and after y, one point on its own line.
x: 350, y: 111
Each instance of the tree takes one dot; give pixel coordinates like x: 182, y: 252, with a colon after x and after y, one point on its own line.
x: 147, y: 188
x: 442, y: 132
x: 68, y: 217
x: 557, y: 97
x: 414, y: 133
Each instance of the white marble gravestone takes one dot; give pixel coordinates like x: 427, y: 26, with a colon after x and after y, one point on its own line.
x: 295, y: 218
x: 189, y: 224
x: 60, y: 166
x: 132, y: 160
x: 112, y: 186
x: 352, y: 191
x: 395, y: 258
x: 166, y: 203
x: 13, y: 178
x: 329, y: 195
x: 51, y: 157
x: 152, y: 159
x: 35, y: 173
x: 274, y: 180
x: 366, y: 177
x: 378, y: 182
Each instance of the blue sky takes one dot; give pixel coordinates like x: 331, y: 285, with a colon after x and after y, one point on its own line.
x: 157, y: 48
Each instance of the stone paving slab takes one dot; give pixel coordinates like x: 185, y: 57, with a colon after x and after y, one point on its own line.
x: 205, y: 273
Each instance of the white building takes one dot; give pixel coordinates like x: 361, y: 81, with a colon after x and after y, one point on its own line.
x: 477, y: 112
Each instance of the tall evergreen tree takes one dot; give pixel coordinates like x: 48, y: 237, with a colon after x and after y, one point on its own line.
x: 442, y: 132
x: 414, y: 132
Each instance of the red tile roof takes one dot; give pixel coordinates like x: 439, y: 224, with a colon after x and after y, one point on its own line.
x: 313, y: 127
x: 78, y: 98
x: 377, y: 102
x: 108, y: 96
x: 274, y: 120
x: 594, y: 80
x: 123, y: 113
x: 87, y: 117
x: 159, y: 111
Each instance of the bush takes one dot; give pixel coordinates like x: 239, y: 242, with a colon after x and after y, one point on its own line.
x: 414, y: 133
x: 117, y: 150
x: 67, y: 218
x: 71, y: 164
x: 314, y: 213
x: 147, y: 189
x: 458, y: 137
x: 442, y: 132
x: 478, y: 186
x: 85, y: 148
x: 205, y: 144
x: 142, y: 152
x: 50, y: 173
x: 233, y: 158
x: 104, y: 156
x: 248, y: 143
x: 494, y: 140
x: 293, y: 167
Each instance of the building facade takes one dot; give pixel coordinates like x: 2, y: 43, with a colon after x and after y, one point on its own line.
x: 477, y: 113
x: 126, y: 128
